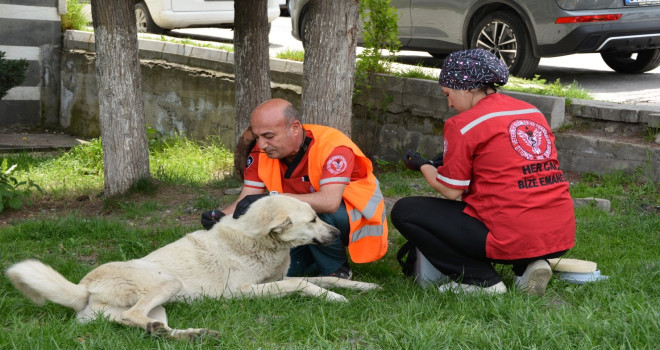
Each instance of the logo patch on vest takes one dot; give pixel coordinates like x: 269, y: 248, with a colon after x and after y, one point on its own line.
x: 530, y: 139
x: 249, y: 162
x: 336, y: 164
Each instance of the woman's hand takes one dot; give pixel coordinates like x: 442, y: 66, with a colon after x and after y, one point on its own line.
x: 414, y: 161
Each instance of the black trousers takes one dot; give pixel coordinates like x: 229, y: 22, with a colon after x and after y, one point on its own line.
x: 452, y: 241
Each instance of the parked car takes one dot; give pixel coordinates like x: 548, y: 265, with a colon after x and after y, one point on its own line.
x: 626, y: 33
x: 284, y: 6
x: 156, y: 16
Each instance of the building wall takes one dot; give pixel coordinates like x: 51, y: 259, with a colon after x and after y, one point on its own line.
x: 31, y: 30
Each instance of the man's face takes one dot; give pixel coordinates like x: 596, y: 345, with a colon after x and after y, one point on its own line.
x: 274, y: 136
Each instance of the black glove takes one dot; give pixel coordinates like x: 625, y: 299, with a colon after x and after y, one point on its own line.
x: 437, y: 160
x: 209, y: 218
x: 414, y: 161
x: 243, y: 205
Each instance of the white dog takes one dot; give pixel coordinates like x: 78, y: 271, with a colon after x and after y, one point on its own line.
x: 244, y: 257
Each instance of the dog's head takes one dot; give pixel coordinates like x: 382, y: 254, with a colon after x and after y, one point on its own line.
x: 286, y: 221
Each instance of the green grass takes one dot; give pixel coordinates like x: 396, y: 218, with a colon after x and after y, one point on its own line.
x: 621, y: 312
x: 293, y: 55
x: 535, y: 85
x: 80, y: 171
x: 540, y: 86
x: 417, y: 71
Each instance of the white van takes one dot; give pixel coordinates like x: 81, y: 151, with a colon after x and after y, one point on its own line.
x: 156, y: 16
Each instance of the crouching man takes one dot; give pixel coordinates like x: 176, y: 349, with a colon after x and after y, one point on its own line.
x: 323, y: 167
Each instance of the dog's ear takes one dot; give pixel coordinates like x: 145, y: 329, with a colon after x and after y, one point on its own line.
x: 280, y: 224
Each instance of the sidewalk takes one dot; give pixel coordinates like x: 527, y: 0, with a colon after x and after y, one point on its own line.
x: 18, y: 142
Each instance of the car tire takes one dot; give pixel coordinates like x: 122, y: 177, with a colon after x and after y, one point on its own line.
x: 623, y: 62
x: 143, y: 20
x: 505, y: 35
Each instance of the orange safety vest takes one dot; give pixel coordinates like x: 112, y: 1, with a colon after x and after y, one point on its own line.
x: 363, y: 198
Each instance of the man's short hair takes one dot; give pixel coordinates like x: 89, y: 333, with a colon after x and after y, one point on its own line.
x: 291, y: 114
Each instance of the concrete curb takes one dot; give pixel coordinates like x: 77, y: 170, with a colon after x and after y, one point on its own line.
x: 37, y: 142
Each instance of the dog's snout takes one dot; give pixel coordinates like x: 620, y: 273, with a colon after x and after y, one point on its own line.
x: 327, y: 239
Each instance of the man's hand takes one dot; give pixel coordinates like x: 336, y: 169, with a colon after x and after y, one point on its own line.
x: 209, y: 218
x: 243, y: 205
x: 414, y: 161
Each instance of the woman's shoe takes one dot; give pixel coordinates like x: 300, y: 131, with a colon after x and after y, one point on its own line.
x: 455, y: 287
x: 535, y: 278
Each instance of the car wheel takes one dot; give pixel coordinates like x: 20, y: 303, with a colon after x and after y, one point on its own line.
x: 143, y: 20
x: 625, y: 62
x: 504, y: 34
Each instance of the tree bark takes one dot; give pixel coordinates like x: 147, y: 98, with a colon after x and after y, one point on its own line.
x: 329, y: 67
x: 121, y: 106
x: 252, y: 65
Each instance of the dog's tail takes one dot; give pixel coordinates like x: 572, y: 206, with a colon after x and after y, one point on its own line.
x: 40, y: 282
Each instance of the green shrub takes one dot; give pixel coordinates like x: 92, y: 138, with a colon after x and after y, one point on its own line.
x: 74, y: 18
x: 380, y: 33
x: 12, y: 73
x: 13, y: 193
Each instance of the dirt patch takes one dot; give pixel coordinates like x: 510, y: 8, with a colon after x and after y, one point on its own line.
x: 172, y: 199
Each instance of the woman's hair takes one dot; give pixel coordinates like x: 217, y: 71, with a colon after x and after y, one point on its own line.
x: 488, y: 89
x: 473, y: 69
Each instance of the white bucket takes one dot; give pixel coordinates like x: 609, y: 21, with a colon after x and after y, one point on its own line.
x: 426, y: 274
x: 581, y: 277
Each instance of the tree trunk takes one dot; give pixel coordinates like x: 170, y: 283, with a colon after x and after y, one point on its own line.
x: 252, y: 64
x: 329, y: 67
x: 121, y: 106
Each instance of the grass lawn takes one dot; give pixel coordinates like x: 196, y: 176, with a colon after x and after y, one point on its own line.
x: 69, y: 227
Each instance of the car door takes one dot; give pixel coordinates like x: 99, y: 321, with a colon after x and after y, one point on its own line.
x: 202, y: 5
x: 404, y: 21
x: 437, y: 25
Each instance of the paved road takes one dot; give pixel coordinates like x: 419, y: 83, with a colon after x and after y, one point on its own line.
x: 588, y: 70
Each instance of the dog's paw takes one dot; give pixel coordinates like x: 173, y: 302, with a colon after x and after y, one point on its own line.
x: 193, y: 334
x: 332, y: 296
x: 157, y: 328
x: 209, y: 333
x: 367, y: 286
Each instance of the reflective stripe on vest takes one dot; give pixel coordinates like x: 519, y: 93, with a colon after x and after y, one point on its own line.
x: 335, y: 179
x: 372, y: 205
x: 367, y: 230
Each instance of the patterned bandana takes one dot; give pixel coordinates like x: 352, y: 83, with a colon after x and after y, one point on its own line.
x: 472, y: 69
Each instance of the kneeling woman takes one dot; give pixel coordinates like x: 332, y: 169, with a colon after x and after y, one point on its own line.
x: 500, y: 159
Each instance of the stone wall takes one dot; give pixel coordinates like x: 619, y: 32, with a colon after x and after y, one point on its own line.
x: 190, y: 90
x: 31, y: 30
x: 183, y: 94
